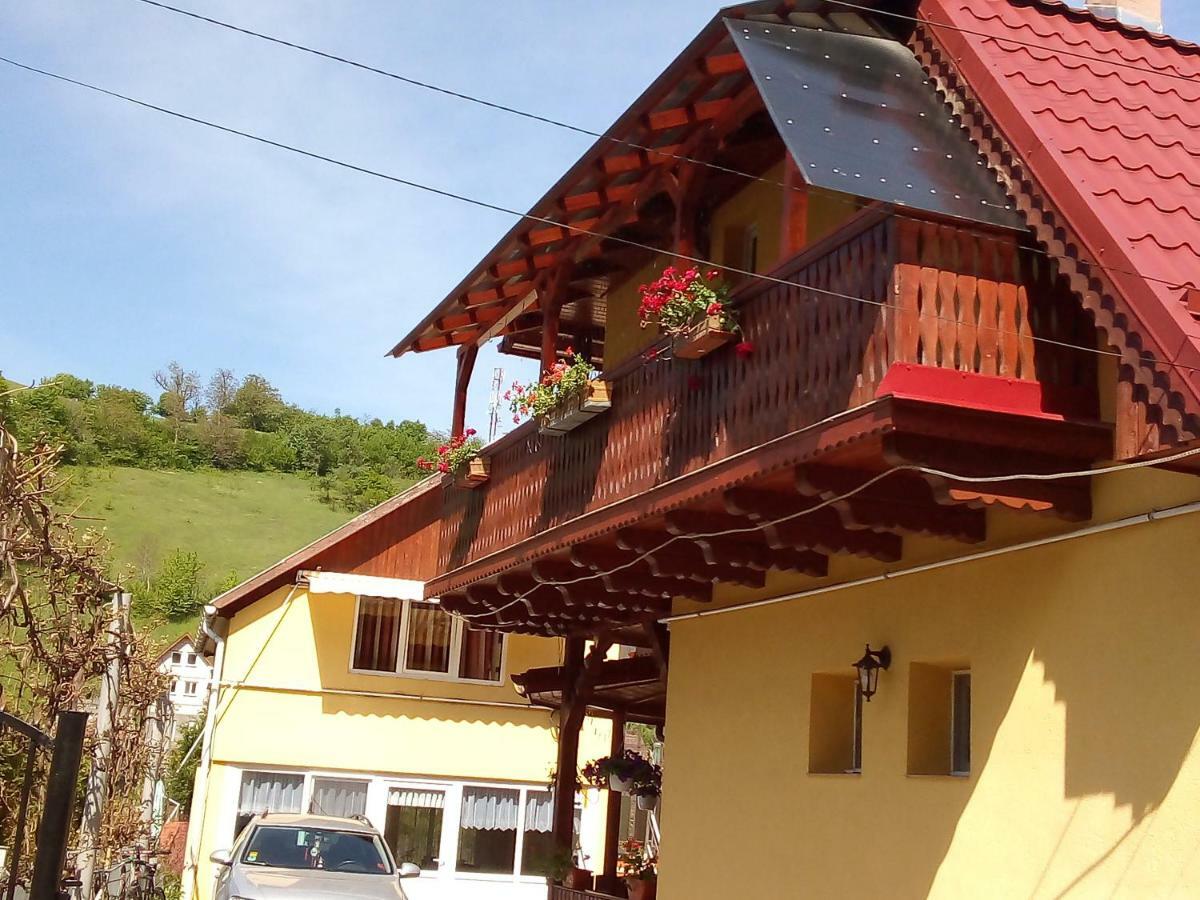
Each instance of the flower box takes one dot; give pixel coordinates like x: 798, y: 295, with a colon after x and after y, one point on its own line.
x: 474, y: 473
x: 578, y: 409
x: 702, y: 338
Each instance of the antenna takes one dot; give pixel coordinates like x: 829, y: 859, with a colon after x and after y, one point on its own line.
x: 494, y: 404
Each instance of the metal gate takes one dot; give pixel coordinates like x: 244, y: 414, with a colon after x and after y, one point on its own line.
x: 66, y: 754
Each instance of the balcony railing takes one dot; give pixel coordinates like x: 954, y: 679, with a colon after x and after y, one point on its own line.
x: 884, y: 289
x: 557, y: 892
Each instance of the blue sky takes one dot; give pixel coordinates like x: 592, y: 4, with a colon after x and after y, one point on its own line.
x: 128, y: 239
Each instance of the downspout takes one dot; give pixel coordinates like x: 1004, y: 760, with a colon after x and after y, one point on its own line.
x: 200, y: 788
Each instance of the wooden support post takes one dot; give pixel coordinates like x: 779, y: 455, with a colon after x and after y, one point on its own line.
x: 569, y: 723
x: 551, y: 294
x: 467, y: 355
x: 793, y: 234
x: 609, y: 882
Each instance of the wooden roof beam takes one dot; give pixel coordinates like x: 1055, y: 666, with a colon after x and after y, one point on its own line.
x: 690, y: 114
x: 809, y: 526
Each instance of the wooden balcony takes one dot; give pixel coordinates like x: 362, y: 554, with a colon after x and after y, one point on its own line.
x: 892, y: 305
x: 558, y: 892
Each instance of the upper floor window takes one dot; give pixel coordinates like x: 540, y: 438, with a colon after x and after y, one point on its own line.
x: 409, y: 637
x: 176, y: 658
x: 191, y: 659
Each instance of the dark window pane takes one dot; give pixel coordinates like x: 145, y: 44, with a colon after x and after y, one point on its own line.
x: 428, y: 638
x: 856, y: 760
x: 538, y: 847
x: 487, y: 836
x: 961, y: 735
x: 481, y: 652
x: 378, y: 635
x: 413, y: 828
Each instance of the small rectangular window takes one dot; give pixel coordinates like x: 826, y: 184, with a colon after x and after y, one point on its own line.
x: 378, y: 637
x: 428, y: 646
x: 267, y: 792
x: 176, y: 658
x: 342, y: 797
x: 480, y: 654
x: 191, y: 659
x: 189, y: 687
x: 413, y: 828
x: 835, y: 725
x: 538, y: 845
x: 487, y: 831
x: 960, y: 732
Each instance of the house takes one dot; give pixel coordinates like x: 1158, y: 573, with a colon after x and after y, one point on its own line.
x: 961, y: 430
x: 340, y: 690
x: 190, y: 675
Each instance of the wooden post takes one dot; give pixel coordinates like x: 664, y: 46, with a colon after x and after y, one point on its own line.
x: 552, y: 293
x: 467, y: 354
x: 612, y: 822
x: 793, y: 234
x: 570, y: 721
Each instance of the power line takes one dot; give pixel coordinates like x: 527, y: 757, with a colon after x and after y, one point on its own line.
x: 633, y: 145
x: 494, y: 207
x: 924, y: 470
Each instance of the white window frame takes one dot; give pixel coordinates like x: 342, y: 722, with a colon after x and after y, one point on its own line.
x: 953, y: 675
x: 456, y: 633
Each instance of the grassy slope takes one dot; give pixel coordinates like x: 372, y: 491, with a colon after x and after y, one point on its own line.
x: 242, y: 521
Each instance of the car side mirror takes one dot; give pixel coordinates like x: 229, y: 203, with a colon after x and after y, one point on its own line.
x: 409, y: 870
x: 221, y: 857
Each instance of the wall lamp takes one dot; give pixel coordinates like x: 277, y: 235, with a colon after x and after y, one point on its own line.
x: 868, y: 670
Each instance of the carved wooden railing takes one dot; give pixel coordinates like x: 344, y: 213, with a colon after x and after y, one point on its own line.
x: 884, y: 289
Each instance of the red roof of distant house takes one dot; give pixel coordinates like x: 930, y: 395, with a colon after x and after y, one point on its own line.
x: 1113, y: 147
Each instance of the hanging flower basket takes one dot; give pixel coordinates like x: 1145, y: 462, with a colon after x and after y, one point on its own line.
x: 692, y: 308
x: 647, y: 802
x: 576, y: 409
x: 619, y: 784
x: 702, y: 338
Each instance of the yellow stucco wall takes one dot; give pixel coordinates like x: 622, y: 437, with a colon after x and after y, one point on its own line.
x: 292, y: 656
x: 1086, y: 703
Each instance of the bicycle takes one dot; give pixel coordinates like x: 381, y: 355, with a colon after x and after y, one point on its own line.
x: 135, y: 878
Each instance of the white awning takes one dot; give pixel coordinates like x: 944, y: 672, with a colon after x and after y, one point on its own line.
x: 365, y: 586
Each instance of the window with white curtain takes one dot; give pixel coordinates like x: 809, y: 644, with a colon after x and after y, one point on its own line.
x: 487, y: 830
x: 410, y: 637
x: 268, y: 792
x: 538, y: 846
x: 413, y: 827
x: 343, y: 797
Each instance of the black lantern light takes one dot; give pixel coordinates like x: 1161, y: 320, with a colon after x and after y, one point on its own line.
x: 868, y: 670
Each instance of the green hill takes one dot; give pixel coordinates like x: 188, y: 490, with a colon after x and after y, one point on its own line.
x: 235, y: 521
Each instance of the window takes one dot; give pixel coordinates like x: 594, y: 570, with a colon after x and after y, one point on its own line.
x: 176, y: 658
x: 189, y: 688
x: 413, y: 826
x: 960, y: 729
x: 750, y: 249
x: 417, y: 638
x: 267, y: 792
x: 487, y: 830
x: 338, y: 797
x: 835, y: 725
x: 939, y: 719
x: 191, y: 659
x: 538, y: 846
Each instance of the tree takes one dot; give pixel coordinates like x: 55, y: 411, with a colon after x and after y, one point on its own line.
x: 177, y: 592
x: 180, y: 390
x: 180, y: 779
x: 257, y: 404
x: 221, y: 390
x: 71, y: 386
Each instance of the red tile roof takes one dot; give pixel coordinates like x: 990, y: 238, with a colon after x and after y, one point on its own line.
x: 1112, y: 146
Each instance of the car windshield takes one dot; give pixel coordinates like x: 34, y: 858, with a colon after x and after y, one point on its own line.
x: 294, y: 847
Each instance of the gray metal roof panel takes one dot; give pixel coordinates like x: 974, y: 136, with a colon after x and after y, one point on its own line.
x: 859, y: 116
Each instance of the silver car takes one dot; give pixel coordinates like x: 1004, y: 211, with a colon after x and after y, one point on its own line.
x: 309, y: 858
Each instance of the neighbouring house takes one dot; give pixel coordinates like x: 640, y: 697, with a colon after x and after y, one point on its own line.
x: 191, y: 675
x: 339, y: 689
x: 960, y: 425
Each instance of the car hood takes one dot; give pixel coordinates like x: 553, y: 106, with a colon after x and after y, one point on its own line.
x: 308, y: 884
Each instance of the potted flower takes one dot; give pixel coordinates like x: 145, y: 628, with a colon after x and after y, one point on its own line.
x: 618, y: 773
x: 564, y: 398
x: 647, y: 786
x: 460, y: 457
x: 639, y: 869
x: 560, y: 867
x: 692, y: 307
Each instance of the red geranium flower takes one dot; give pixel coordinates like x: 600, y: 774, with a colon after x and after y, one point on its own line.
x: 744, y: 349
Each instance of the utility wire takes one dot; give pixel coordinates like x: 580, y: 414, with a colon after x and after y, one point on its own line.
x: 558, y: 123
x: 924, y: 470
x: 494, y: 207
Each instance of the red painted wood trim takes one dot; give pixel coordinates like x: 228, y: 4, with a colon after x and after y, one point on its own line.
x: 988, y: 393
